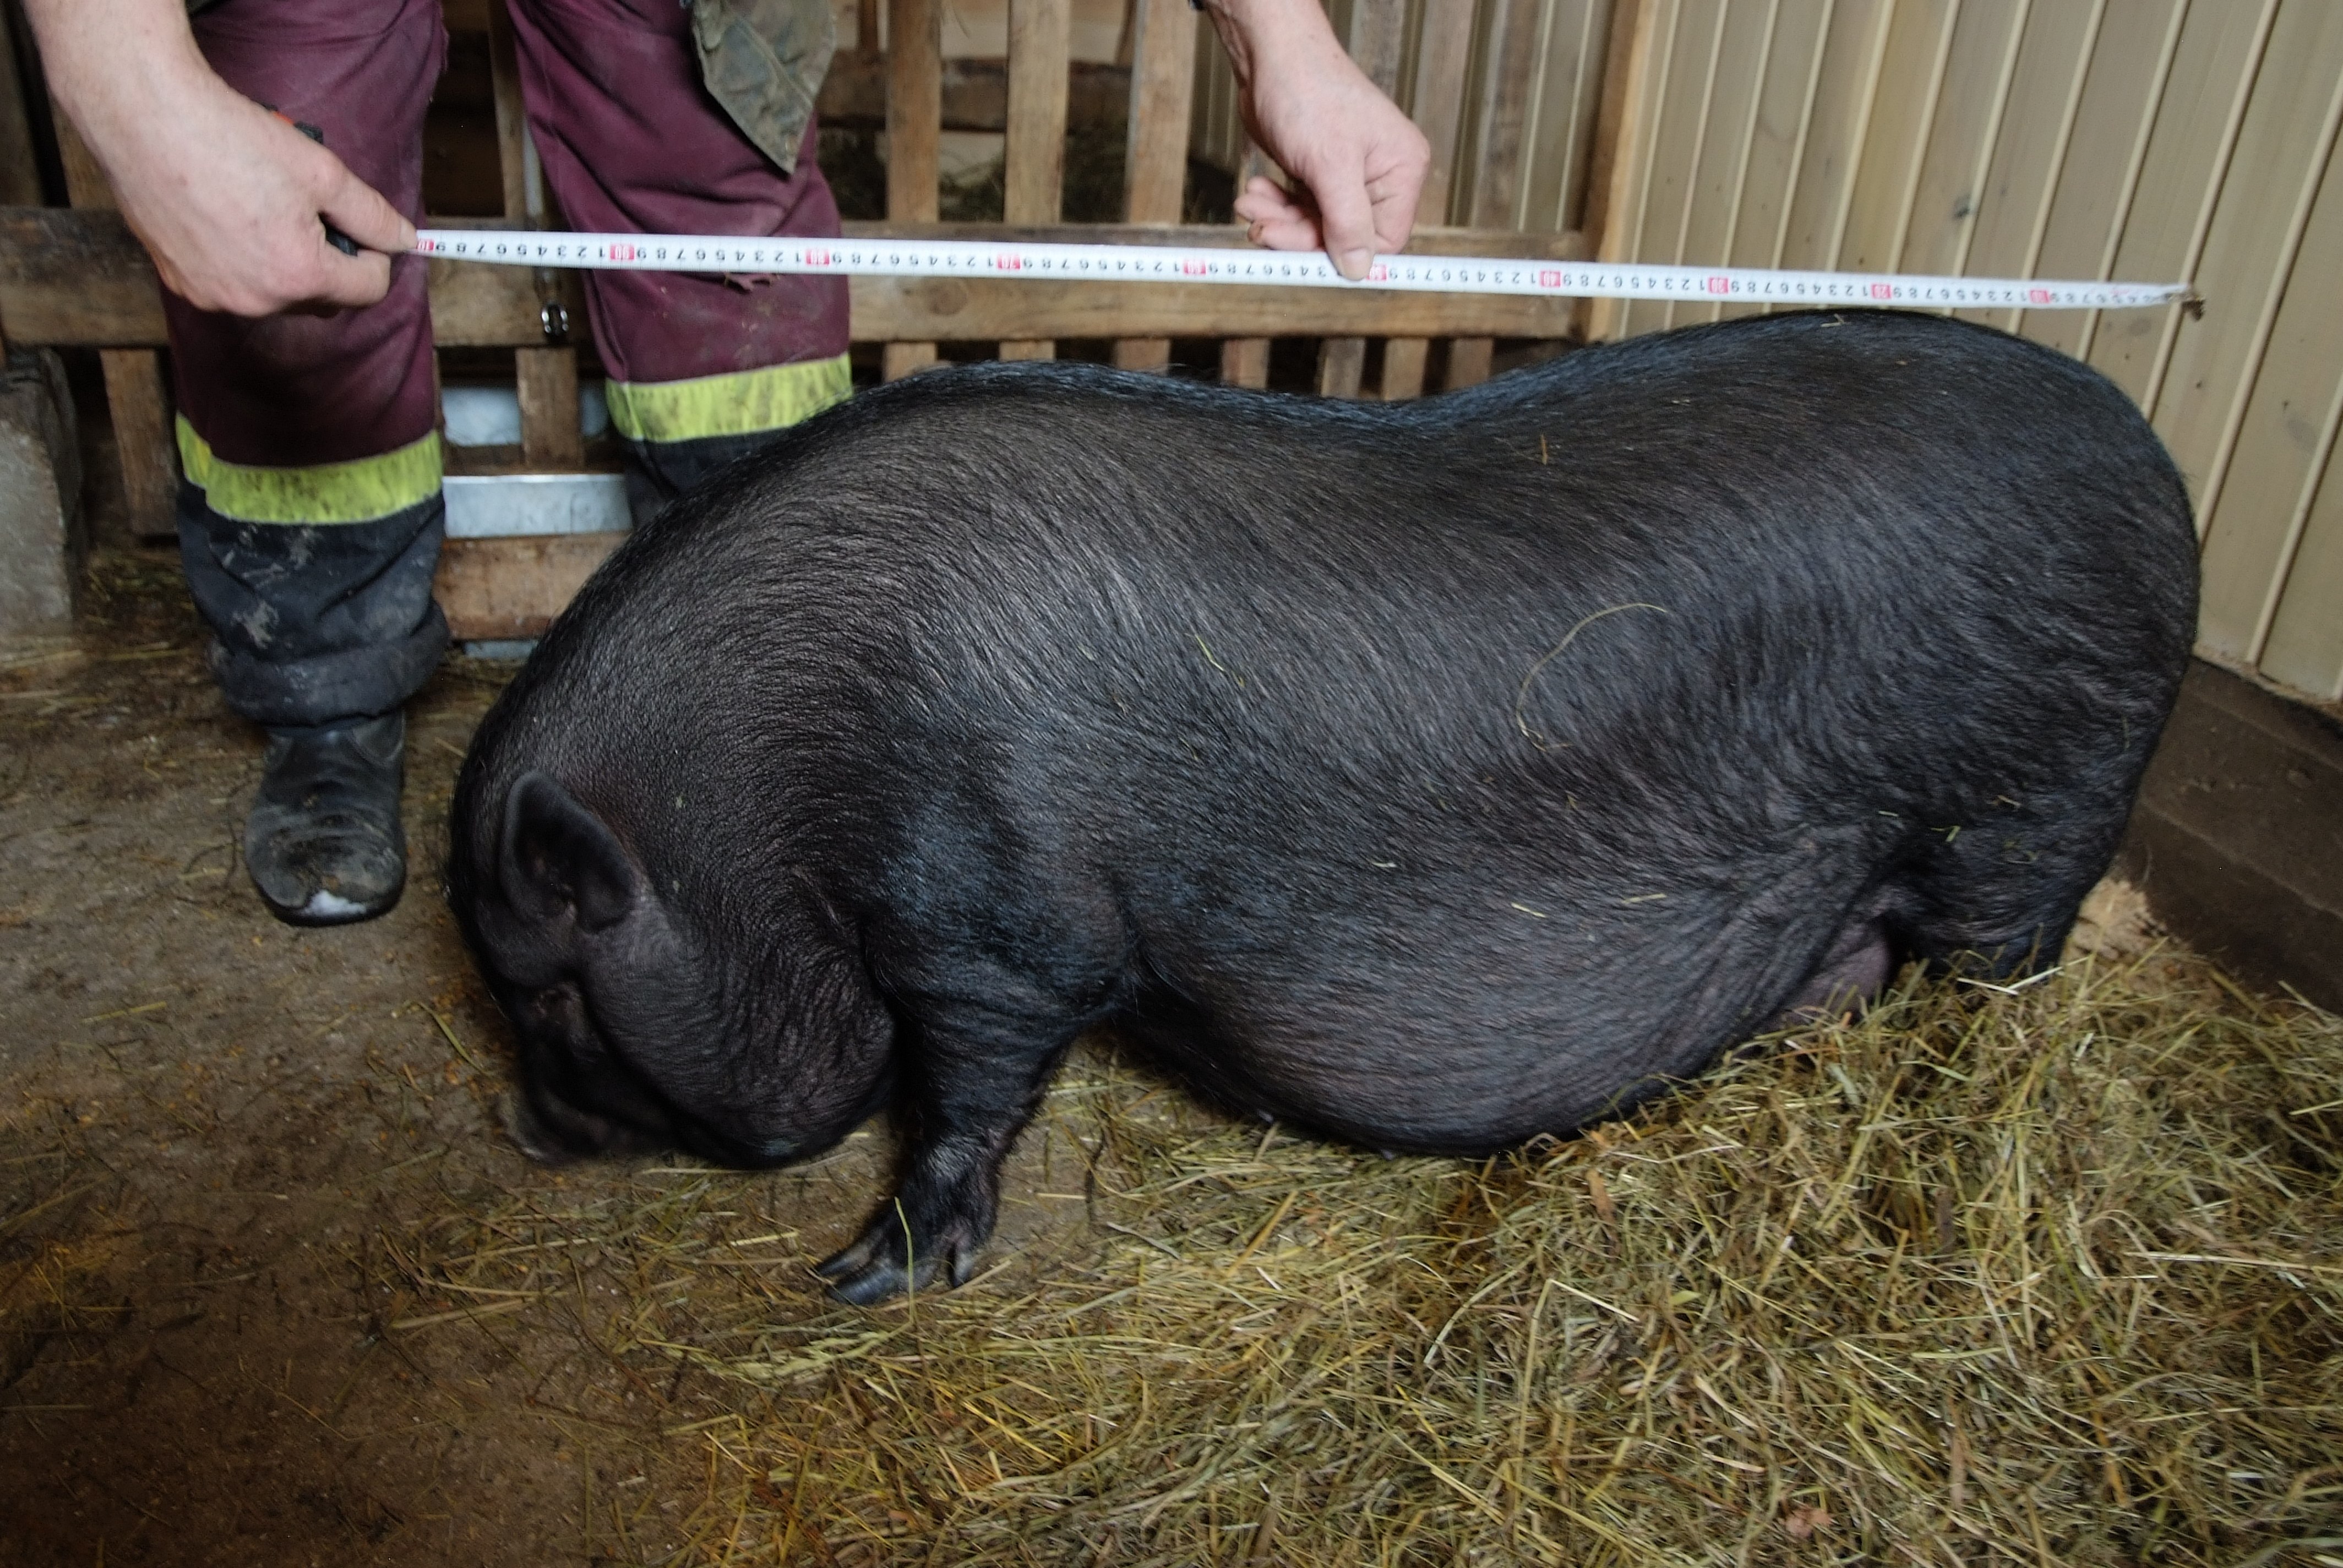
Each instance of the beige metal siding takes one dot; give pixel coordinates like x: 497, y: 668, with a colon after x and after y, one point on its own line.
x: 2149, y: 139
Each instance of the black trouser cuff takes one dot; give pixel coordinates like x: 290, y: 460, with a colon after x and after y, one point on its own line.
x: 317, y: 624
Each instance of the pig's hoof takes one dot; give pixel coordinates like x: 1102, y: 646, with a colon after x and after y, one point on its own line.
x: 876, y: 1267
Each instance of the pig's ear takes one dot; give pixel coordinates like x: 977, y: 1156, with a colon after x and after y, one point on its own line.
x: 559, y: 857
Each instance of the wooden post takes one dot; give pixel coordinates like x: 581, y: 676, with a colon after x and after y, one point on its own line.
x: 1033, y: 158
x: 546, y: 378
x: 1504, y: 112
x: 1244, y: 361
x: 1155, y: 158
x: 1442, y: 59
x: 1378, y: 38
x: 915, y: 110
x: 135, y: 398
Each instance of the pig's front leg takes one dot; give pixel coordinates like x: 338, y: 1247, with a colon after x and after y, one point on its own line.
x: 972, y: 1092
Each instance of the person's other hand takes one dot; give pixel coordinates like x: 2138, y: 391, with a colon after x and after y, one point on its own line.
x: 229, y: 199
x: 1308, y: 106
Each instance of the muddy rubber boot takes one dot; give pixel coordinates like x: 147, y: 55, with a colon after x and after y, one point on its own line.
x: 323, y: 844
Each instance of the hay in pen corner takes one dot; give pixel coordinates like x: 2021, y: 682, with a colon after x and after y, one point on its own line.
x: 2044, y: 1274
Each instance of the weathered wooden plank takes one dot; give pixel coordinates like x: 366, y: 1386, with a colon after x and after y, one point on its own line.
x: 1500, y: 125
x: 1443, y: 57
x: 1378, y: 37
x: 2201, y: 105
x: 137, y: 404
x: 20, y: 171
x: 2253, y: 519
x: 2100, y: 173
x: 548, y: 384
x: 975, y: 94
x: 1244, y: 361
x: 1155, y: 150
x: 512, y: 118
x: 914, y: 131
x: 493, y: 590
x: 79, y: 279
x: 1033, y: 156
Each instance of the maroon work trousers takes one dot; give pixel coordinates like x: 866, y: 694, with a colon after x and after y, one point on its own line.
x: 631, y: 142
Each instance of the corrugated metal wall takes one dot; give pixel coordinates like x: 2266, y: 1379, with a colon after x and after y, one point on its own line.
x: 2149, y: 139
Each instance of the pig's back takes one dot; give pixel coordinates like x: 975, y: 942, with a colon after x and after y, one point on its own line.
x: 1525, y: 741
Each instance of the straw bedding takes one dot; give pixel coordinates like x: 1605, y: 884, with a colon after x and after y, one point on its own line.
x: 2046, y: 1274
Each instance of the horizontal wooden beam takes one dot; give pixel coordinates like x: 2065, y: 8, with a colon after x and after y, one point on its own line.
x: 494, y: 589
x: 79, y: 279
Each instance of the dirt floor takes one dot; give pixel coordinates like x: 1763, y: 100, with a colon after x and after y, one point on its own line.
x: 229, y: 1151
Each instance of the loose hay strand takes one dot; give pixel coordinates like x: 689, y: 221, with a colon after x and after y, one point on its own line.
x: 2042, y: 1274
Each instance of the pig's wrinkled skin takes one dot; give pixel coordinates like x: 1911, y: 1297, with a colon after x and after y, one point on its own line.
x: 1433, y: 775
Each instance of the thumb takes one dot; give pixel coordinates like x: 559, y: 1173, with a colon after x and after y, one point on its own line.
x: 1347, y: 218
x: 359, y: 210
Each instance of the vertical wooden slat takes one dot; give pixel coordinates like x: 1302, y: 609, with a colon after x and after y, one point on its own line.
x: 512, y: 118
x: 1846, y: 89
x: 548, y: 383
x: 1033, y: 158
x: 136, y: 399
x: 2046, y: 96
x: 1619, y: 172
x: 1444, y: 53
x: 1163, y: 82
x: 2197, y: 120
x: 2254, y: 517
x: 1499, y: 144
x: 1378, y: 38
x: 1976, y: 95
x: 544, y: 378
x: 915, y: 110
x: 20, y: 169
x: 1244, y: 361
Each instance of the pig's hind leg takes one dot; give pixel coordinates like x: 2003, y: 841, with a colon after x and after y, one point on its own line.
x: 1855, y: 971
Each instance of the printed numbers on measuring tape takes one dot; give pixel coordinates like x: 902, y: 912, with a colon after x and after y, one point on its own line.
x: 1171, y: 264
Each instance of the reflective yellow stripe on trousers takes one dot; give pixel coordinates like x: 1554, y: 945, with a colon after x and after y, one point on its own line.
x: 359, y: 491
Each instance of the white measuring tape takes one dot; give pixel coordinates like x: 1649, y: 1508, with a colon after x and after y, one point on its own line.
x: 1286, y: 268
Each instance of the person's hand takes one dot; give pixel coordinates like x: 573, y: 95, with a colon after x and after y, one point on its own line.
x: 1312, y: 110
x: 229, y: 199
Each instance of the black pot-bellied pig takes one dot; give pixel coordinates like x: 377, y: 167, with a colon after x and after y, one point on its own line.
x: 1433, y: 775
